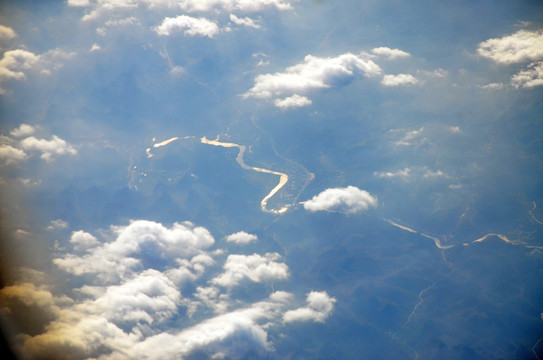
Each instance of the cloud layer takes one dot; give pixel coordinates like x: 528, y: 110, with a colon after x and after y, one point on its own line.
x: 125, y: 307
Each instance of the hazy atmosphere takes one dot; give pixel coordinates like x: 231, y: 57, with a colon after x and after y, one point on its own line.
x: 271, y: 179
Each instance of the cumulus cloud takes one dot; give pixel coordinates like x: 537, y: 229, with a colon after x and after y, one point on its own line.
x: 529, y: 78
x: 100, y: 9
x: 389, y: 53
x: 82, y: 240
x: 293, y: 101
x: 241, y: 238
x: 15, y: 63
x: 78, y: 3
x: 319, y: 306
x: 32, y: 295
x: 11, y: 155
x: 49, y: 148
x: 6, y: 33
x: 349, y: 200
x: 522, y: 46
x: 246, y: 21
x: 190, y: 26
x: 254, y: 267
x: 234, y: 5
x: 113, y: 260
x: 249, y: 323
x: 313, y: 73
x: 147, y: 297
x: 23, y: 130
x: 131, y: 316
x: 399, y: 80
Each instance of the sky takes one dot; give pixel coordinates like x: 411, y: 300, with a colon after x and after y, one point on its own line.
x: 271, y: 179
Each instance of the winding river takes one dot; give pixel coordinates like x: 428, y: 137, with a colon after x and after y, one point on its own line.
x: 283, y: 178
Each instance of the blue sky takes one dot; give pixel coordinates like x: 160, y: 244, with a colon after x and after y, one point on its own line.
x: 229, y: 179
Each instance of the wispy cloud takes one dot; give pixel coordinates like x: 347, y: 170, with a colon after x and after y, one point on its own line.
x: 245, y: 21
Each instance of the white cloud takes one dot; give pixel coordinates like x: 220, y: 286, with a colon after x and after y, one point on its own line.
x: 254, y: 267
x: 404, y: 173
x: 234, y: 5
x: 82, y: 240
x: 454, y: 129
x: 246, y: 21
x: 102, y: 7
x: 492, y: 86
x: 313, y: 73
x: 408, y: 173
x: 77, y: 3
x: 389, y: 53
x: 293, y: 101
x: 49, y: 148
x: 15, y: 63
x: 190, y: 26
x: 435, y: 74
x: 23, y: 130
x: 132, y: 316
x: 409, y: 137
x: 12, y: 155
x: 349, y: 200
x: 113, y: 260
x: 57, y: 224
x: 120, y: 22
x: 529, y: 78
x: 246, y: 323
x: 399, y: 80
x: 429, y: 174
x: 148, y: 297
x: 241, y: 238
x: 319, y: 306
x: 6, y: 33
x: 522, y: 46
